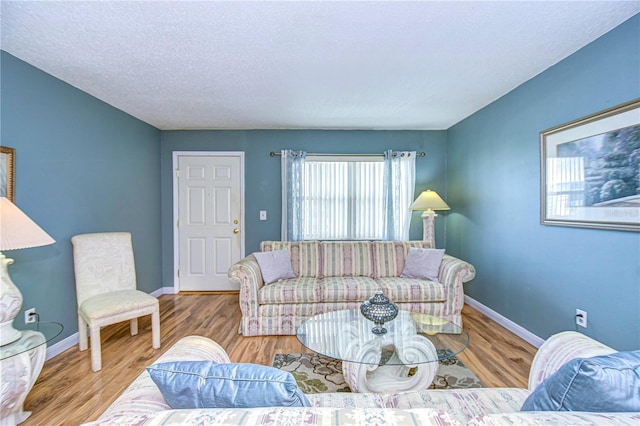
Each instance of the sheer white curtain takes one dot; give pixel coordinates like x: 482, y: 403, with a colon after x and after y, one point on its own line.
x: 292, y: 163
x: 398, y: 189
x: 346, y: 197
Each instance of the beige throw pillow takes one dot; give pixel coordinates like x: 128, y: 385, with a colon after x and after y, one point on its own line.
x: 275, y: 265
x: 423, y: 263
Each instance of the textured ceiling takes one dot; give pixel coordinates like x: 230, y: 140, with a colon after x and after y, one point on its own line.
x: 329, y: 65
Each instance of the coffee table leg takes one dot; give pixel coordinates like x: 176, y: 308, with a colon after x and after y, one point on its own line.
x: 363, y: 377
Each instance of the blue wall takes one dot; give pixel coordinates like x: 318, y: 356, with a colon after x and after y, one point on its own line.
x: 84, y: 166
x: 262, y: 172
x: 81, y: 166
x: 538, y: 275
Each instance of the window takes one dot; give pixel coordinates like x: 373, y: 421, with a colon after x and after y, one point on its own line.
x: 347, y: 197
x: 565, y: 185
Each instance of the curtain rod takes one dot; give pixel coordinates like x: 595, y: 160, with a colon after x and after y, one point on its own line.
x: 418, y: 154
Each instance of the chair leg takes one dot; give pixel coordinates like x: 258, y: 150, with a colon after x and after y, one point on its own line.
x: 82, y: 334
x: 133, y: 325
x: 155, y: 329
x: 96, y: 356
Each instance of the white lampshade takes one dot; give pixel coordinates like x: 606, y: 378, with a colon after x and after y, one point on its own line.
x: 429, y: 200
x: 17, y: 230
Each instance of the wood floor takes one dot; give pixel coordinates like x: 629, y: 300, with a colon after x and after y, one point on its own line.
x: 68, y: 392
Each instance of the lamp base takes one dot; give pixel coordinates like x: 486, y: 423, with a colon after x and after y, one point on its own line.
x: 429, y: 229
x: 8, y: 334
x: 10, y: 303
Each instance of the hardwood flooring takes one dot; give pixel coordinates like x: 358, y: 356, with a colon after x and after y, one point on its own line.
x: 69, y: 393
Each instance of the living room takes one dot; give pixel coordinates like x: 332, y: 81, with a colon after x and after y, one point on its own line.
x: 85, y: 166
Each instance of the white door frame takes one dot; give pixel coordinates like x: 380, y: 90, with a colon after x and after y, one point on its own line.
x: 176, y: 236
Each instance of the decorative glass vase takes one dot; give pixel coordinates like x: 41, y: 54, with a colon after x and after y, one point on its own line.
x: 379, y: 309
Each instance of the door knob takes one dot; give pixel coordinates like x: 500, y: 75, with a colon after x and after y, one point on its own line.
x: 235, y: 231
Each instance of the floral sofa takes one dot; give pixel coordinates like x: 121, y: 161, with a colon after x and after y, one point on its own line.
x: 332, y: 275
x: 143, y: 404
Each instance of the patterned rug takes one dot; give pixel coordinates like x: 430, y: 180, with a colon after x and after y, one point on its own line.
x: 316, y: 373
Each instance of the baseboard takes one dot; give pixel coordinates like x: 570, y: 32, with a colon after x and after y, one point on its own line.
x: 163, y: 290
x: 73, y: 340
x: 62, y: 346
x: 505, y: 322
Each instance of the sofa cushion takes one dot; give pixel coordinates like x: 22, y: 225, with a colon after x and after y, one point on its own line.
x: 556, y: 418
x: 411, y: 290
x: 293, y: 314
x: 312, y: 290
x: 206, y: 384
x: 422, y: 263
x: 304, y: 255
x: 389, y: 256
x: 461, y: 404
x: 606, y: 383
x: 275, y: 265
x: 288, y: 416
x: 346, y: 259
x: 347, y: 289
x: 296, y: 290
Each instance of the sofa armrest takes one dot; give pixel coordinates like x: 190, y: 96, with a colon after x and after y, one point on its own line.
x: 454, y: 270
x: 453, y: 274
x: 195, y: 348
x: 143, y: 396
x: 246, y: 273
x: 559, y: 349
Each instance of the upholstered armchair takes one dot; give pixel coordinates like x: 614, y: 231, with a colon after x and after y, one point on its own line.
x: 106, y: 289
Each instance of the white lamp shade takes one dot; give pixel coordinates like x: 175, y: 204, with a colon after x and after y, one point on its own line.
x: 429, y: 200
x: 17, y: 230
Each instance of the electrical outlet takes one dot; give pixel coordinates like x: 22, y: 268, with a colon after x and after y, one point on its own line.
x: 581, y: 318
x: 30, y: 316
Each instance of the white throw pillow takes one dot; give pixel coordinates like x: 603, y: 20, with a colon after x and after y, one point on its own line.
x: 275, y: 265
x: 422, y: 263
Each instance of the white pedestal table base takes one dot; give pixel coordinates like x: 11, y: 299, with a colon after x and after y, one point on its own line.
x: 394, y: 376
x: 19, y: 373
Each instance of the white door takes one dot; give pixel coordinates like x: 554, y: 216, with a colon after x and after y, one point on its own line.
x: 210, y: 219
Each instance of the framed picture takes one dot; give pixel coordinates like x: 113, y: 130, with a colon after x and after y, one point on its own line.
x: 590, y: 171
x: 8, y: 173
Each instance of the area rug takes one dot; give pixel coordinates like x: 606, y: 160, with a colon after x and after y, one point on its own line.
x: 317, y: 374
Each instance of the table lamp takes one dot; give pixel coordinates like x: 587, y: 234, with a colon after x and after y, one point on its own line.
x: 429, y: 201
x: 17, y: 231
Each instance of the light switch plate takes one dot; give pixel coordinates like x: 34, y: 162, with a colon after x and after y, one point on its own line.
x: 263, y: 215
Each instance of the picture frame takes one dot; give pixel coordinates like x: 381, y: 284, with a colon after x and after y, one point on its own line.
x: 590, y: 171
x: 8, y: 173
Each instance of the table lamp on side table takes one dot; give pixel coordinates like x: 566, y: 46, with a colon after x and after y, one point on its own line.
x: 429, y: 201
x: 17, y: 231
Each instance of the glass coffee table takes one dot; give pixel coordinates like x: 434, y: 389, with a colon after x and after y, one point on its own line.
x: 405, y: 358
